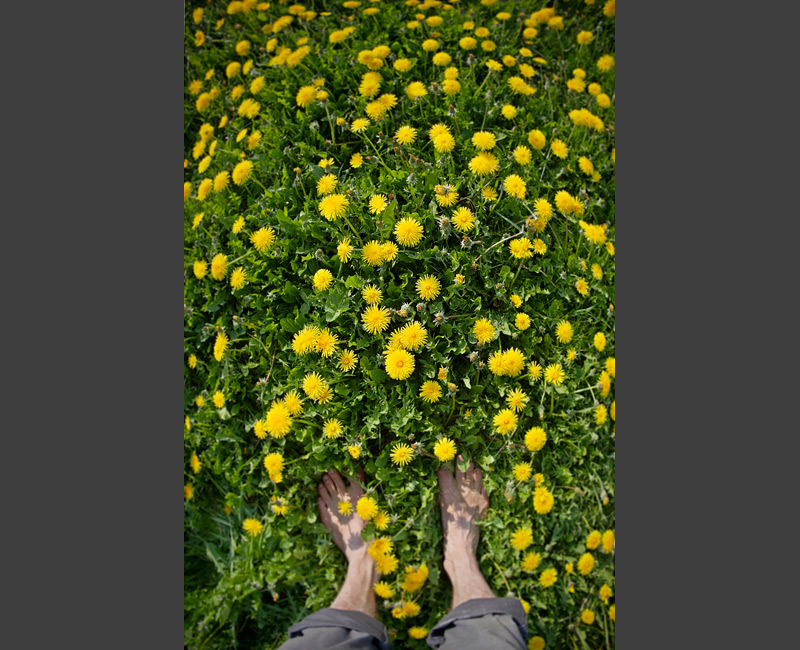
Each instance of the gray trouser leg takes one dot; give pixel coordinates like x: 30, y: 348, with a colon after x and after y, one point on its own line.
x: 337, y: 629
x: 482, y: 624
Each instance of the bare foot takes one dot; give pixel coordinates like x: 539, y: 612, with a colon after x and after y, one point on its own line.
x: 464, y: 502
x: 346, y: 529
x: 356, y: 593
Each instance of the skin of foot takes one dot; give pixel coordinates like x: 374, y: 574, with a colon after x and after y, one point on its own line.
x: 463, y: 502
x: 357, y: 590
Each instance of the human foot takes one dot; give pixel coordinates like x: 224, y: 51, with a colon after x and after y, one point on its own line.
x: 464, y: 502
x: 346, y: 529
x: 356, y: 593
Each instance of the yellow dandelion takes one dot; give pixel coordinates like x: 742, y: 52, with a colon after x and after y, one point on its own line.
x: 344, y: 250
x: 347, y: 360
x: 367, y: 508
x: 505, y: 421
x: 220, y: 345
x: 405, y: 135
x: 278, y: 420
x: 242, y: 171
x: 517, y: 399
x: 238, y: 278
x: 430, y: 392
x: 463, y: 219
x: 399, y: 364
x: 333, y: 206
x: 428, y: 287
x: 483, y: 330
x: 332, y: 428
x: 522, y: 538
x: 535, y: 438
x: 372, y: 253
x: 408, y: 231
x: 375, y: 319
x: 402, y: 454
x: 554, y: 374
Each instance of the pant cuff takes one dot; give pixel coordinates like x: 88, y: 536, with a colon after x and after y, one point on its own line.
x: 346, y: 618
x: 476, y: 608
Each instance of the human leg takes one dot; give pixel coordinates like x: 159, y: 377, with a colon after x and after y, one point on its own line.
x: 350, y: 622
x: 477, y: 619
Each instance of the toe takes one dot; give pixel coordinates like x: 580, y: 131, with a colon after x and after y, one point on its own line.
x: 324, y: 514
x: 459, y: 473
x: 338, y: 482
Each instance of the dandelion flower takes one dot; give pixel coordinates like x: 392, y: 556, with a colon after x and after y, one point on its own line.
x: 359, y: 125
x: 554, y: 374
x: 548, y: 577
x: 333, y: 206
x: 520, y: 248
x: 399, y: 364
x: 483, y: 164
x: 252, y: 527
x: 274, y: 464
x: 428, y: 287
x: 505, y: 421
x: 413, y: 336
x: 418, y: 632
x: 278, y: 420
x: 402, y: 454
x: 344, y: 250
x: 444, y: 142
x: 238, y: 277
x: 371, y: 294
x: 367, y: 508
x: 415, y: 90
x: 535, y: 438
x: 326, y: 184
x: 483, y: 330
x: 605, y: 63
x: 430, y: 392
x: 263, y: 238
x: 372, y: 253
x: 314, y: 386
x: 326, y: 343
x: 444, y: 449
x: 305, y: 96
x: 517, y: 400
x: 531, y: 561
x: 559, y: 148
x: 564, y: 331
x: 242, y: 171
x: 542, y: 500
x: 332, y: 428
x: 600, y: 414
x: 537, y: 139
x: 383, y: 590
x: 194, y: 461
x: 355, y: 160
x: 608, y: 541
x: 405, y: 135
x: 484, y: 140
x: 522, y: 472
x: 279, y: 506
x: 600, y: 341
x: 582, y: 287
x: 522, y: 322
x: 515, y: 186
x: 585, y: 564
x: 408, y: 231
x: 375, y: 319
x: 522, y: 155
x: 522, y: 538
x: 593, y: 540
x: 220, y: 345
x: 463, y: 219
x: 534, y: 370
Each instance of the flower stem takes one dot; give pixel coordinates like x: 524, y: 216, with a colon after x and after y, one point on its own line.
x: 353, y: 229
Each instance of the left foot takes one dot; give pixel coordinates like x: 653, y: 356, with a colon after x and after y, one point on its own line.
x: 346, y: 529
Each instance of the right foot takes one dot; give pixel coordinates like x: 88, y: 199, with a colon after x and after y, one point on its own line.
x: 464, y: 502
